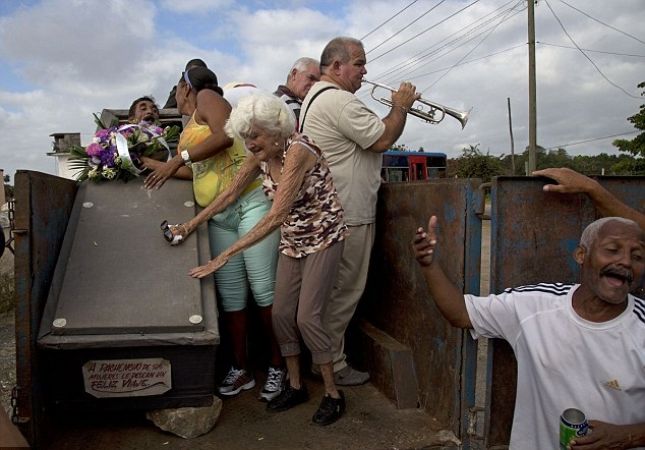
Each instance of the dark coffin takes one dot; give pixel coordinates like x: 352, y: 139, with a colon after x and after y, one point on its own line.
x: 124, y: 326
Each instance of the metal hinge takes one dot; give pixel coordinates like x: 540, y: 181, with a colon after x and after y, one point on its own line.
x: 481, y: 208
x: 15, y: 412
x: 12, y: 226
x: 476, y: 423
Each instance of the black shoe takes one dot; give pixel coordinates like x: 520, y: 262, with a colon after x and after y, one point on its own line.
x: 289, y: 398
x: 330, y: 410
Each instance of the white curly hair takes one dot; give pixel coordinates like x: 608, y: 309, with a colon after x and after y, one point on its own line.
x: 264, y: 111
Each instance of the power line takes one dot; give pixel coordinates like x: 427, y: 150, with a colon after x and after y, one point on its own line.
x: 472, y: 60
x: 586, y: 141
x: 426, y: 30
x: 446, y: 42
x: 589, y: 50
x: 585, y: 55
x: 603, y: 23
x: 379, y: 26
x: 472, y: 50
x: 406, y: 27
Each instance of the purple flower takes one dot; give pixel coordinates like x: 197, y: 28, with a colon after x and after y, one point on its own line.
x: 107, y: 159
x: 93, y: 149
x: 102, y: 133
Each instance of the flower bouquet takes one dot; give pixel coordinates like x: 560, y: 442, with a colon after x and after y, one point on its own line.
x: 115, y: 152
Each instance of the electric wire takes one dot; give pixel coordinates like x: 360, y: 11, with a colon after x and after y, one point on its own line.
x: 585, y: 55
x: 468, y: 53
x: 586, y: 141
x: 508, y: 16
x: 426, y: 30
x: 490, y: 55
x: 406, y: 27
x: 446, y: 42
x: 467, y: 35
x: 603, y: 23
x: 589, y: 50
x: 379, y: 26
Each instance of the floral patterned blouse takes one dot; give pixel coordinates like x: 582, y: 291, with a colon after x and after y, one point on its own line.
x: 316, y: 220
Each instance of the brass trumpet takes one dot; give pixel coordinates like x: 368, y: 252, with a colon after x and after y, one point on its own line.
x: 429, y: 115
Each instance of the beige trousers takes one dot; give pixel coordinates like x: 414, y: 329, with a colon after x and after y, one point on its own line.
x: 348, y: 289
x: 302, y: 289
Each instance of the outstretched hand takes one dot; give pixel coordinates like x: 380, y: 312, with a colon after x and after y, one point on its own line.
x: 425, y: 242
x: 569, y: 181
x: 174, y: 234
x: 160, y: 173
x: 212, y: 266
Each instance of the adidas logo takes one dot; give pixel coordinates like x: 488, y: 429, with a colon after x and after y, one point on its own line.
x: 613, y: 384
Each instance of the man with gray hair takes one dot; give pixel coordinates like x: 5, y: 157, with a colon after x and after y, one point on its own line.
x: 303, y: 74
x: 352, y: 139
x: 577, y: 345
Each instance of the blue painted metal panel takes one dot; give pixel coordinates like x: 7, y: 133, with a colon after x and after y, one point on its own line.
x: 397, y: 300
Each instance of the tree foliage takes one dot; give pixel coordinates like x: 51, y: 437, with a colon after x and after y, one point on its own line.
x: 474, y: 164
x: 636, y: 146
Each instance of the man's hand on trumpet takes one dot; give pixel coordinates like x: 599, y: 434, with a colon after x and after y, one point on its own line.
x: 405, y: 97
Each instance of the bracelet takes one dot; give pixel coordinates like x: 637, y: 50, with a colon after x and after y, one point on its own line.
x: 186, y: 157
x: 403, y: 108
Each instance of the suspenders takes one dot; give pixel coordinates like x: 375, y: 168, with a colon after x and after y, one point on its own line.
x: 304, y: 116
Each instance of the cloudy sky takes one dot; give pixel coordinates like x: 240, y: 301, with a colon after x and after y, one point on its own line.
x: 62, y: 60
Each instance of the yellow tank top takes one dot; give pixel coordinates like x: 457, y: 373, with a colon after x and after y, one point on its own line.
x: 213, y: 175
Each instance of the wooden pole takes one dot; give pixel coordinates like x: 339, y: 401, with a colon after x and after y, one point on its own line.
x: 532, y: 95
x: 510, y: 130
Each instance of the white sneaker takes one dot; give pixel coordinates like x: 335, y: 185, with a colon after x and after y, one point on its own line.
x: 236, y: 380
x: 274, y: 384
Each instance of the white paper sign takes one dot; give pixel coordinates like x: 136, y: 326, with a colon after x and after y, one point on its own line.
x: 127, y: 377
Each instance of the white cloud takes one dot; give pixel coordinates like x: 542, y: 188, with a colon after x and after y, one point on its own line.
x: 195, y: 6
x: 75, y: 57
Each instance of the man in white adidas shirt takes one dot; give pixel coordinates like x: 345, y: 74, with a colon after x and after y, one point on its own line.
x: 577, y: 346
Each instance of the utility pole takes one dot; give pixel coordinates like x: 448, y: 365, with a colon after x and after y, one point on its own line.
x: 532, y: 96
x: 510, y: 129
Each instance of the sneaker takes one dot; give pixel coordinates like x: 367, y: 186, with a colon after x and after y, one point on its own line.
x: 274, y: 384
x: 236, y: 380
x: 348, y: 376
x: 288, y: 398
x: 330, y: 410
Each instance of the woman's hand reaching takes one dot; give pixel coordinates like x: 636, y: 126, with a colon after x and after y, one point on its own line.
x: 212, y: 266
x: 174, y: 234
x: 160, y: 172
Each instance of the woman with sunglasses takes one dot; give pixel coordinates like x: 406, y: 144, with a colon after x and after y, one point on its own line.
x: 212, y: 159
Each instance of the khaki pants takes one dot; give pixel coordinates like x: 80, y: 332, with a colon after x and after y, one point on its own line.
x: 302, y: 290
x: 348, y: 289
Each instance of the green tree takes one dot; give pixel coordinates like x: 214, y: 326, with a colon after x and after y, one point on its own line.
x: 474, y: 164
x: 636, y: 146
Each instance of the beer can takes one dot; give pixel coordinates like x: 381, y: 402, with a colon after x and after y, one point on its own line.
x: 573, y: 424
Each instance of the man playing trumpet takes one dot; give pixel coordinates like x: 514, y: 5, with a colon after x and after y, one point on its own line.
x: 352, y: 138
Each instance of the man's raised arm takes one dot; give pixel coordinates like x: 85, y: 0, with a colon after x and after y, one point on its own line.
x: 448, y: 298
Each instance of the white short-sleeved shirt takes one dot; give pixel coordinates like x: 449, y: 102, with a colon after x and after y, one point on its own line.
x: 343, y: 127
x: 565, y: 361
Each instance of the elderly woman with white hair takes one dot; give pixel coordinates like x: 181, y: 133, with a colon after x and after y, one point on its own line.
x: 307, y: 210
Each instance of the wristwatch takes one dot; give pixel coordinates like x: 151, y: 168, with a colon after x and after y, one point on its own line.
x: 186, y: 157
